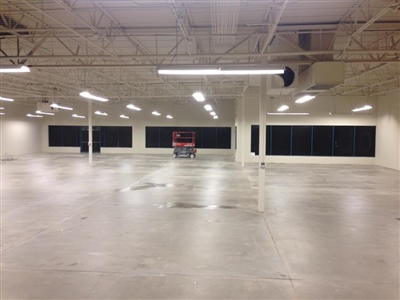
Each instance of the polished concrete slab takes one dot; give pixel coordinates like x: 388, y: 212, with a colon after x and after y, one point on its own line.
x: 154, y: 227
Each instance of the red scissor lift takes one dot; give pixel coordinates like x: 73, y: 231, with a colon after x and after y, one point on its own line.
x: 184, y: 144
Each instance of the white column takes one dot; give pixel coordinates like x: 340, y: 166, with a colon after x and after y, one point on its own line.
x: 90, y: 132
x: 262, y: 144
x: 242, y: 130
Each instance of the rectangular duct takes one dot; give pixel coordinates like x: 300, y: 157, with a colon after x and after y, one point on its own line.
x: 321, y: 76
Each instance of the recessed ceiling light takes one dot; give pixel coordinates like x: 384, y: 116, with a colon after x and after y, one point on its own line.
x: 213, y: 113
x: 169, y: 117
x: 131, y: 106
x: 124, y: 117
x: 215, y: 117
x: 208, y: 107
x: 156, y: 113
x: 97, y: 112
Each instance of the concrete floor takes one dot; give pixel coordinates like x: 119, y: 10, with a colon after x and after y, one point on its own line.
x: 154, y: 227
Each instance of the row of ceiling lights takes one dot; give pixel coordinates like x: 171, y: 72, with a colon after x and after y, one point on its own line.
x: 199, y: 97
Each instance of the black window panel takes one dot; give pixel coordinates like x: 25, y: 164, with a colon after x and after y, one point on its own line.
x: 322, y: 140
x: 255, y: 139
x: 55, y: 136
x: 301, y: 140
x: 365, y: 141
x: 111, y: 136
x: 96, y: 134
x: 70, y: 136
x: 343, y: 141
x: 209, y: 137
x: 84, y: 134
x: 125, y: 137
x: 268, y: 140
x: 152, y: 137
x: 280, y: 140
x: 166, y: 137
x: 223, y: 137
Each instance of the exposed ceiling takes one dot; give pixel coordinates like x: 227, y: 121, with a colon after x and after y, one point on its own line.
x: 113, y: 47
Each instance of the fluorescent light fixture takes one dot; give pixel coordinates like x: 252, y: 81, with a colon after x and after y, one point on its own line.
x: 288, y: 114
x: 6, y: 99
x: 215, y: 117
x: 217, y: 70
x: 124, y: 117
x: 365, y: 107
x: 305, y: 99
x: 34, y: 116
x: 198, y: 96
x: 55, y: 105
x: 97, y: 112
x: 169, y: 117
x: 131, y: 106
x: 78, y: 116
x: 44, y: 113
x: 213, y: 113
x: 283, y: 108
x: 88, y: 95
x: 156, y: 113
x: 208, y: 107
x: 2, y: 113
x: 1, y: 107
x: 14, y: 69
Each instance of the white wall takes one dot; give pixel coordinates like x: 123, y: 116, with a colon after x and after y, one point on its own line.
x: 19, y: 134
x: 388, y: 131
x: 319, y: 109
x: 184, y: 115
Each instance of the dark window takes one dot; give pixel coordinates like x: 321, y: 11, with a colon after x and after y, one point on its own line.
x: 152, y: 137
x: 322, y: 140
x: 166, y: 137
x: 209, y: 137
x: 55, y: 136
x: 223, y: 137
x: 125, y: 137
x: 343, y: 141
x: 70, y: 136
x: 365, y: 141
x: 301, y: 140
x: 255, y: 139
x: 110, y: 136
x: 280, y: 139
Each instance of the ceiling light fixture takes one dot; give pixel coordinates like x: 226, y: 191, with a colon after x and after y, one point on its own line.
x: 14, y: 69
x: 2, y: 113
x: 213, y: 113
x: 97, y: 112
x: 6, y: 99
x: 169, y: 117
x: 124, y: 117
x: 305, y: 99
x: 1, y: 107
x: 131, y: 106
x: 208, y: 107
x: 88, y: 95
x: 217, y: 70
x: 215, y: 117
x: 288, y: 114
x: 44, y: 113
x: 55, y: 105
x: 198, y: 96
x: 78, y: 116
x: 34, y: 116
x: 283, y: 108
x: 156, y: 113
x: 365, y: 107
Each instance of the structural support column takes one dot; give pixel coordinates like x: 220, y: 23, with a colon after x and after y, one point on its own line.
x: 262, y: 144
x: 90, y: 132
x: 242, y: 131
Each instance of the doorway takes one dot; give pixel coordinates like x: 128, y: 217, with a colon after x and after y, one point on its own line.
x: 96, y: 135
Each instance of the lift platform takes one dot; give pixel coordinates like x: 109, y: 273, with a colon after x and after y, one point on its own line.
x: 184, y: 144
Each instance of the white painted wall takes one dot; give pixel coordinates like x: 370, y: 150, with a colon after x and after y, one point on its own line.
x: 18, y: 133
x: 319, y: 110
x: 184, y: 115
x: 388, y: 131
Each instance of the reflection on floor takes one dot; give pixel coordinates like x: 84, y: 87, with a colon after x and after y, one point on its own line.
x: 148, y: 226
